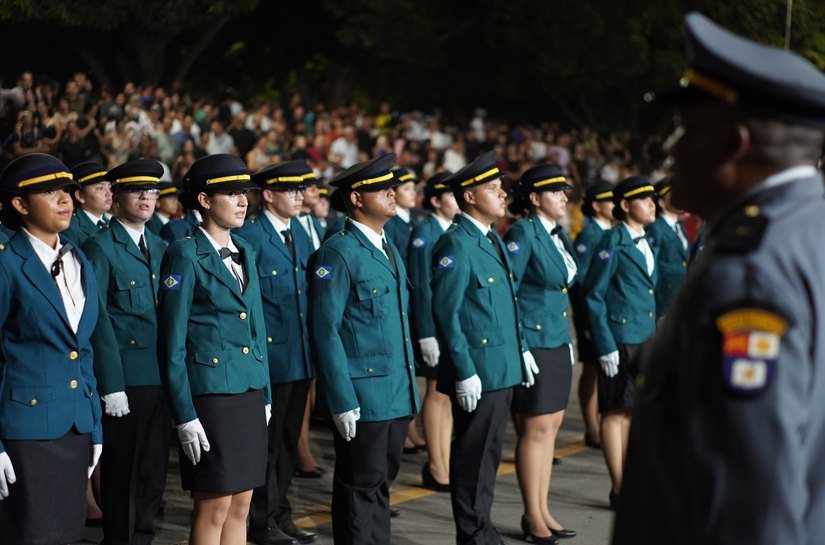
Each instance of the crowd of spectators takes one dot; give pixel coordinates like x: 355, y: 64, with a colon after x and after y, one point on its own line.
x: 78, y: 122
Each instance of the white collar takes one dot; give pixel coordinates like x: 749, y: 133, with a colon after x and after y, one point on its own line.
x: 92, y: 217
x: 669, y: 219
x: 403, y: 213
x: 549, y: 225
x: 164, y: 219
x: 481, y: 227
x: 276, y: 223
x: 133, y: 234
x: 605, y: 225
x: 780, y: 178
x: 197, y: 214
x: 445, y: 224
x: 377, y: 239
x: 46, y: 253
x: 230, y: 245
x: 634, y: 234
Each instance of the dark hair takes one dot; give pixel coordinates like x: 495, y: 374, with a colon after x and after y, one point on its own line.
x: 337, y: 202
x: 618, y: 213
x: 8, y: 215
x: 190, y: 200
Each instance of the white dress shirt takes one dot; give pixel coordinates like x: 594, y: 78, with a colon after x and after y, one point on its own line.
x: 69, y: 281
x: 674, y: 224
x: 307, y: 223
x: 377, y: 239
x: 445, y: 224
x: 643, y: 247
x: 92, y: 217
x: 134, y: 235
x: 569, y: 262
x: 235, y: 268
x: 277, y: 224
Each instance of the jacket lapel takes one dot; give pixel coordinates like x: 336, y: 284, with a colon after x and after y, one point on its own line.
x: 38, y: 275
x: 377, y: 254
x: 122, y: 237
x: 545, y: 241
x: 213, y: 265
x: 630, y: 249
x: 275, y: 238
x: 482, y: 240
x: 92, y: 295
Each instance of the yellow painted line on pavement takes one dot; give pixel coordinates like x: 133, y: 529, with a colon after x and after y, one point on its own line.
x: 315, y: 515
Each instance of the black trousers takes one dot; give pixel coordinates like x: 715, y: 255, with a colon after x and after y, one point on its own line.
x: 364, y: 470
x: 474, y: 460
x: 133, y: 467
x: 270, y: 506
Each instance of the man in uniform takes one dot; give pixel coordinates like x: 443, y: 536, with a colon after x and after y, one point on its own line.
x: 126, y: 259
x: 483, y: 354
x: 281, y: 252
x: 359, y: 326
x: 728, y: 434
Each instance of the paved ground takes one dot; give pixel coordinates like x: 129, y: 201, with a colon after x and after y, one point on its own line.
x: 578, y: 496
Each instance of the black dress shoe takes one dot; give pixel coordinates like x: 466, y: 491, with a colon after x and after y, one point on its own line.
x: 316, y: 473
x: 529, y: 537
x: 614, y: 500
x: 428, y: 481
x: 303, y: 536
x: 394, y: 512
x: 271, y: 536
x: 588, y: 442
x: 94, y: 523
x: 563, y: 533
x: 415, y: 449
x: 556, y: 461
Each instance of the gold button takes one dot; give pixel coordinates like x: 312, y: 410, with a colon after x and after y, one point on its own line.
x: 299, y: 292
x: 73, y: 355
x: 538, y: 327
x: 564, y: 314
x: 374, y: 290
x: 483, y: 341
x: 752, y: 211
x: 33, y: 402
x: 153, y: 276
x: 2, y: 246
x: 73, y: 384
x: 269, y: 339
x: 242, y: 315
x: 684, y: 263
x: 650, y: 292
x: 131, y: 282
x: 296, y: 269
x: 490, y: 280
x: 245, y: 350
x: 650, y: 315
x: 564, y: 290
x: 624, y: 320
x: 274, y: 273
x: 131, y: 341
x: 369, y: 369
x: 214, y: 360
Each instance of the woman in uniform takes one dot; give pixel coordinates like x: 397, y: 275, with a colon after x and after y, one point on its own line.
x: 213, y: 350
x: 597, y: 208
x: 545, y: 268
x: 437, y: 412
x: 50, y: 429
x: 669, y: 237
x: 621, y: 309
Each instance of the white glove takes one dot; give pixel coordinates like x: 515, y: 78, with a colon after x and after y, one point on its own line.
x: 572, y: 357
x: 7, y: 475
x: 268, y: 410
x: 429, y: 351
x: 192, y: 438
x: 531, y: 367
x: 94, y: 458
x: 468, y: 392
x: 117, y: 404
x: 610, y: 363
x: 345, y: 422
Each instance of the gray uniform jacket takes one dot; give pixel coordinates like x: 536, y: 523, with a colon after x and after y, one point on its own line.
x: 728, y: 437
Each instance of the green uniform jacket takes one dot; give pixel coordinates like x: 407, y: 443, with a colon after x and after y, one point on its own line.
x: 212, y: 338
x: 476, y: 315
x: 80, y: 228
x: 585, y: 245
x: 399, y: 232
x: 619, y: 294
x: 671, y: 261
x: 359, y: 328
x: 424, y: 235
x: 541, y: 283
x: 336, y: 226
x: 125, y: 338
x: 155, y: 224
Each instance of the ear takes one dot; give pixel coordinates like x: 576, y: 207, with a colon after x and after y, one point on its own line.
x: 267, y: 196
x: 535, y: 199
x: 435, y: 202
x: 625, y: 205
x: 355, y: 199
x: 740, y: 142
x: 203, y: 200
x: 78, y: 194
x: 469, y: 196
x: 20, y: 205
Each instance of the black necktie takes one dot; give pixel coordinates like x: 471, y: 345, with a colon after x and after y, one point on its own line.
x: 287, y: 234
x: 226, y: 252
x: 391, y: 257
x: 57, y: 266
x: 492, y: 238
x: 143, y: 249
x: 101, y: 224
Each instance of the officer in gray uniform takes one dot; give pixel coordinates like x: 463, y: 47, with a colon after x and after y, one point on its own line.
x: 728, y: 435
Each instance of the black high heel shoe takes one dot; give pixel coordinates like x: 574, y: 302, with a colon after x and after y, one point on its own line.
x: 529, y: 537
x: 428, y: 481
x: 562, y: 533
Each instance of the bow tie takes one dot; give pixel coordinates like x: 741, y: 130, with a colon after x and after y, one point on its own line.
x: 555, y: 230
x: 226, y: 252
x: 57, y: 266
x: 639, y: 239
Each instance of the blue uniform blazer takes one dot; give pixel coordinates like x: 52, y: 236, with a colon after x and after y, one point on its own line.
x: 420, y: 266
x: 212, y: 338
x: 541, y: 283
x: 399, y: 232
x: 179, y: 228
x: 359, y: 328
x: 619, y: 294
x: 284, y: 294
x: 47, y: 383
x: 80, y: 228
